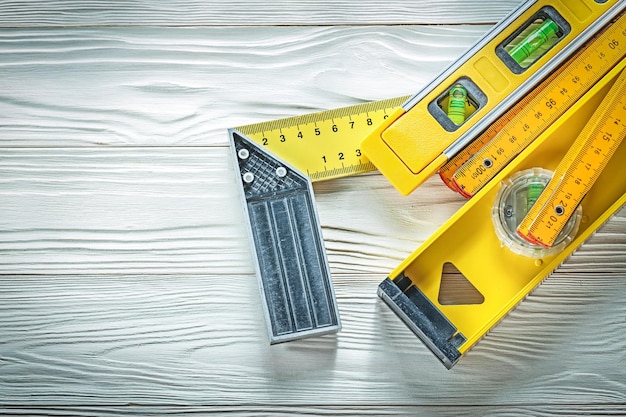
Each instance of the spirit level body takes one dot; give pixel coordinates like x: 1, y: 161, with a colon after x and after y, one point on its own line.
x: 468, y: 241
x: 415, y: 141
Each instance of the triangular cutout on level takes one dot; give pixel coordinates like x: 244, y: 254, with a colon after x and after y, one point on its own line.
x: 455, y: 289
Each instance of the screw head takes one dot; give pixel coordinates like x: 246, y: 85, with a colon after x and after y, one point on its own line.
x: 281, y: 172
x: 243, y: 153
x: 248, y: 177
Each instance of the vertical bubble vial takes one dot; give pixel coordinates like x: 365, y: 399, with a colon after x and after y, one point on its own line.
x: 456, y: 104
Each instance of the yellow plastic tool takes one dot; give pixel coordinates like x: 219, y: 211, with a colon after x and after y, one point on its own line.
x: 578, y: 170
x: 447, y: 172
x: 468, y: 241
x: 485, y: 87
x: 326, y: 144
x: 564, y: 87
x: 515, y: 56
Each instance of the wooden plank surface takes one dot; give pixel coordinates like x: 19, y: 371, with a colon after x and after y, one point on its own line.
x: 249, y: 12
x: 147, y: 210
x: 126, y: 279
x: 186, y: 86
x: 199, y: 340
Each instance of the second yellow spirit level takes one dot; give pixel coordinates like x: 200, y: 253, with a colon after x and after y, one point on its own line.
x: 494, y: 269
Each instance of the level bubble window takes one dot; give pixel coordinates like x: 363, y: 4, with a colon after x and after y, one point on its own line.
x: 457, y: 104
x: 514, y: 199
x: 533, y: 39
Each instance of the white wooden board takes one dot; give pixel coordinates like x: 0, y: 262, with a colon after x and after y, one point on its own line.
x: 186, y: 86
x: 249, y: 12
x: 126, y: 279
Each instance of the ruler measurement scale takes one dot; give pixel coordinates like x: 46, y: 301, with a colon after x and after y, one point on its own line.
x: 326, y: 144
x: 448, y: 171
x: 582, y: 73
x: 578, y: 170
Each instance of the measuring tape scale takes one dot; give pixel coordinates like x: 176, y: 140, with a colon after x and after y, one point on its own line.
x: 326, y: 144
x: 496, y: 73
x: 559, y: 94
x: 578, y: 170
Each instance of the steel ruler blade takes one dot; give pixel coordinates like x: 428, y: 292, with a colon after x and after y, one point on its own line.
x: 467, y: 240
x: 500, y: 70
x: 324, y: 145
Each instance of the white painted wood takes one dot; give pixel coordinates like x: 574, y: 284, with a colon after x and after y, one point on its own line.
x: 199, y: 340
x: 309, y: 410
x: 177, y: 210
x: 249, y: 12
x: 126, y: 284
x: 120, y: 338
x: 186, y: 86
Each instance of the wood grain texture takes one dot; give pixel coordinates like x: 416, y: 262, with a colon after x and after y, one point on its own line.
x: 126, y: 279
x: 186, y: 86
x: 246, y: 12
x: 316, y: 410
x: 177, y: 210
x: 199, y: 340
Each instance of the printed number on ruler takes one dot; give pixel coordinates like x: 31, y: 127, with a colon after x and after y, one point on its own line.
x: 448, y: 171
x: 578, y: 170
x: 557, y: 96
x: 324, y: 145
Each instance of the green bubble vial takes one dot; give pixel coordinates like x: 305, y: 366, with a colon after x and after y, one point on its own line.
x: 532, y: 194
x: 514, y: 199
x: 457, y: 98
x: 534, y: 40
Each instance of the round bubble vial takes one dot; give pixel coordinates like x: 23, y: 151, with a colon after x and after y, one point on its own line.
x: 281, y: 172
x: 514, y: 199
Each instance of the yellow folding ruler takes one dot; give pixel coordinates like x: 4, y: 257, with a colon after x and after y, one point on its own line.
x: 504, y: 66
x: 578, y: 170
x: 478, y: 165
x: 510, y: 74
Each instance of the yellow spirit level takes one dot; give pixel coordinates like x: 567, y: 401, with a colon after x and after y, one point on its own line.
x: 560, y: 91
x: 467, y: 240
x: 515, y: 56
